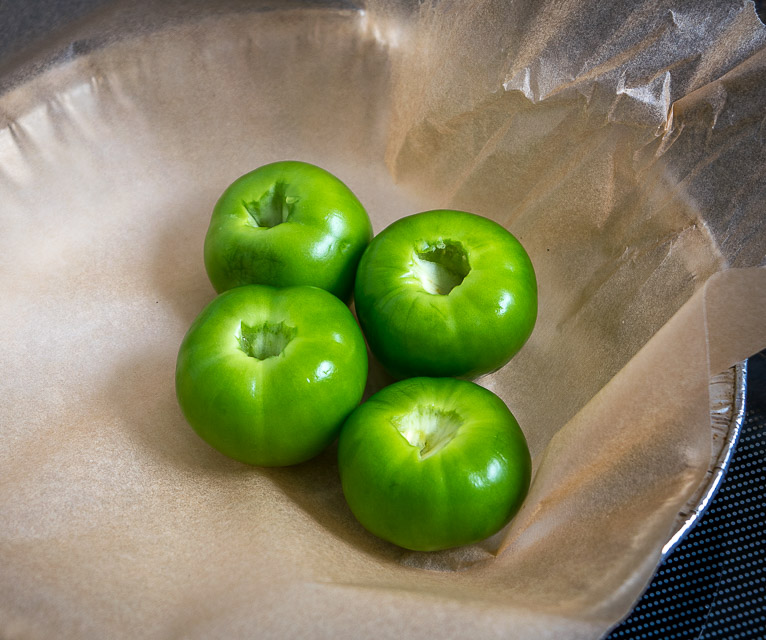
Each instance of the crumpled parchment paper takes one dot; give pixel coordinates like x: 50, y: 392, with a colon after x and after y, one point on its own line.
x: 623, y: 144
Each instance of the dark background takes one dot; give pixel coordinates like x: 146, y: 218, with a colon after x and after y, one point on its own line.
x: 713, y: 585
x: 24, y: 22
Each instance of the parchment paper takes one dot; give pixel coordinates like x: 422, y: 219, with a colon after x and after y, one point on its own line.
x: 624, y: 145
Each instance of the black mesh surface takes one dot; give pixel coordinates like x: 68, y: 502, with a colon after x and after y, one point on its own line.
x: 713, y: 586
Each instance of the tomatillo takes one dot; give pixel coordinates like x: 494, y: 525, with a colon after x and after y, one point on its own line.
x: 267, y: 376
x: 445, y: 293
x: 433, y: 463
x: 287, y: 223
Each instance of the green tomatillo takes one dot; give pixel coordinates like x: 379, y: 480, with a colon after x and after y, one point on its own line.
x: 445, y: 293
x: 433, y: 463
x: 287, y: 223
x: 267, y: 376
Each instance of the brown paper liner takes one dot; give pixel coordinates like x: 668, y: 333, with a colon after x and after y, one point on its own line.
x: 117, y: 521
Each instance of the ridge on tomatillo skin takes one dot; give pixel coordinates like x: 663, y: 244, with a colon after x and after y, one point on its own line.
x: 284, y: 224
x: 445, y: 294
x: 433, y: 463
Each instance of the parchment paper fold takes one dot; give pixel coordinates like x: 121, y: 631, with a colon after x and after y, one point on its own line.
x: 623, y: 144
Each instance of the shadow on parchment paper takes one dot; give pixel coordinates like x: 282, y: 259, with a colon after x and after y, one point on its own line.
x: 315, y: 487
x: 178, y: 279
x: 155, y: 423
x: 177, y: 269
x: 142, y: 392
